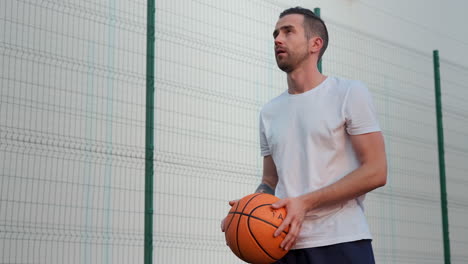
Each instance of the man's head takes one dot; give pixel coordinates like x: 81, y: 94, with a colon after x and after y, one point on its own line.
x: 298, y: 34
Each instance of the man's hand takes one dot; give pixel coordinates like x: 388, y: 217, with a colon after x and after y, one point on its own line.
x: 296, y: 210
x: 223, y: 227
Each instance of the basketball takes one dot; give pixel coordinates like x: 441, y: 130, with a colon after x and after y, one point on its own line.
x: 250, y: 226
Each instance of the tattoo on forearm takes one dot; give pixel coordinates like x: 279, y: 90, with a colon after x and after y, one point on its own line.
x: 265, y: 188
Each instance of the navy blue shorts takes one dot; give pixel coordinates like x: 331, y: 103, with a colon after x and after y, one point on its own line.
x: 356, y: 252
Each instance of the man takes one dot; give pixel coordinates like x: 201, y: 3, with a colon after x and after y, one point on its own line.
x: 323, y: 150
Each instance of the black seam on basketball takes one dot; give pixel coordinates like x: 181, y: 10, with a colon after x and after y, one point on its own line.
x: 238, y: 222
x: 232, y: 218
x: 252, y: 234
x: 256, y: 217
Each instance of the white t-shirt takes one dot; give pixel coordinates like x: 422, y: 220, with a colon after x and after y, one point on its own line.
x: 308, y: 137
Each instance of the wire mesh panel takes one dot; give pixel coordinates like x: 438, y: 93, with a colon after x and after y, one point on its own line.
x: 72, y: 130
x: 72, y: 84
x: 214, y: 70
x: 454, y: 80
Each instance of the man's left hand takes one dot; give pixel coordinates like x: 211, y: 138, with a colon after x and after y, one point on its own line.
x: 296, y: 210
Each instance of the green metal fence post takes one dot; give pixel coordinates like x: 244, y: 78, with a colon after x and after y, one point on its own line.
x: 440, y: 140
x: 149, y: 137
x: 319, y: 64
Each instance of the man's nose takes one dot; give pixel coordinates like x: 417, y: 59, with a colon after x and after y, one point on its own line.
x: 278, y: 41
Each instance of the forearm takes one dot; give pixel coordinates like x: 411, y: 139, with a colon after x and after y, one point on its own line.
x: 361, y: 181
x: 269, y: 177
x: 265, y: 188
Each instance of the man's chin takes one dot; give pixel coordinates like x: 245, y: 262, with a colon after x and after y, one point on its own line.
x: 285, y: 67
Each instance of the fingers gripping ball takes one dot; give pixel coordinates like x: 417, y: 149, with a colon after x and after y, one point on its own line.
x: 250, y: 226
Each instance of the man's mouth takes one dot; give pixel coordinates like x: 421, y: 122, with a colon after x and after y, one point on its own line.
x: 280, y: 51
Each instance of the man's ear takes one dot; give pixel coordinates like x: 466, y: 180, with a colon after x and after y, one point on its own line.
x: 315, y: 44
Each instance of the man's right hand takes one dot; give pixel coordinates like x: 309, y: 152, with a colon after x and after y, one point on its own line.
x: 231, y: 203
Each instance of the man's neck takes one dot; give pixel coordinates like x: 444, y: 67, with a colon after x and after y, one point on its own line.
x: 302, y: 80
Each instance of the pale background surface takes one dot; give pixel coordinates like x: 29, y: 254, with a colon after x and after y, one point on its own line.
x: 72, y: 113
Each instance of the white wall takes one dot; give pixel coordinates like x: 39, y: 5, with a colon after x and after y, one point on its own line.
x: 418, y: 24
x: 72, y: 85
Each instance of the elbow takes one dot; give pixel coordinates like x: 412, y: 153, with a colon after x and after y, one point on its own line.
x: 381, y: 176
x: 382, y: 180
x: 377, y: 175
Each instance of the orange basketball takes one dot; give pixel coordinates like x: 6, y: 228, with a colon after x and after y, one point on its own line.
x: 250, y: 226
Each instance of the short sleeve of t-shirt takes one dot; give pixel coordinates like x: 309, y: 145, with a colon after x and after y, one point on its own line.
x: 359, y: 110
x: 264, y: 148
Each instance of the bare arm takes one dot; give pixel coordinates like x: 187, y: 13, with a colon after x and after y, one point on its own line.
x: 269, y: 176
x: 371, y: 174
